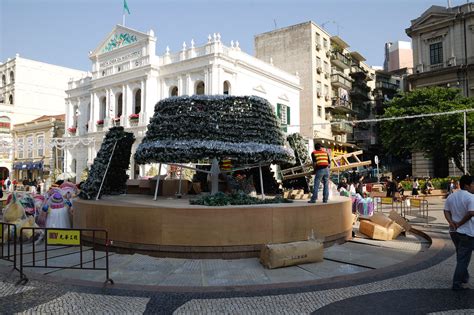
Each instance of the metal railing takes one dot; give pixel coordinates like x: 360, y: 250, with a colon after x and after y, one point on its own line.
x: 8, y: 237
x: 57, y: 239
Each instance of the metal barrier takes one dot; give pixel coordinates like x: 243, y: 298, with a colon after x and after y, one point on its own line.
x: 418, y: 204
x: 396, y: 205
x: 66, y: 238
x: 8, y: 238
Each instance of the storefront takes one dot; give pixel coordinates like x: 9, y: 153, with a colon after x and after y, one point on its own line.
x: 28, y: 169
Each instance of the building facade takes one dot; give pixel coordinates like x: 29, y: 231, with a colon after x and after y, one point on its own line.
x: 443, y: 55
x: 28, y: 89
x: 128, y: 79
x: 34, y: 157
x: 398, y: 55
x: 324, y: 64
x: 443, y: 48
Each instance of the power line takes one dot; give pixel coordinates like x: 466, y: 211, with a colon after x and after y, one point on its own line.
x: 460, y: 111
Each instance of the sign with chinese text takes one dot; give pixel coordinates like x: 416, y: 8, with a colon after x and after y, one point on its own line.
x: 64, y: 237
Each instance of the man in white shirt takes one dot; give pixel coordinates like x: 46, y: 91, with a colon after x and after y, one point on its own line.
x: 458, y: 211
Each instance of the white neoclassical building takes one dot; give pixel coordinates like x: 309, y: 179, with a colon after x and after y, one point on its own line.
x: 128, y: 79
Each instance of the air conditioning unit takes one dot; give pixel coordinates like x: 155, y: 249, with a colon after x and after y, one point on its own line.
x: 326, y: 75
x: 328, y: 54
x: 318, y: 94
x: 326, y: 97
x: 319, y: 69
x: 318, y: 47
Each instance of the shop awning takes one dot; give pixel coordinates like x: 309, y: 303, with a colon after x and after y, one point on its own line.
x: 28, y: 165
x: 37, y: 165
x: 25, y: 165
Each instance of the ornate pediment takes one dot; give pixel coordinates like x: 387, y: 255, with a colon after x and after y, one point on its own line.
x: 432, y: 19
x: 119, y: 37
x: 259, y: 88
x: 284, y: 97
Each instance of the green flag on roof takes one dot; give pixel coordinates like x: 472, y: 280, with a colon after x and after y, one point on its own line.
x: 125, y: 7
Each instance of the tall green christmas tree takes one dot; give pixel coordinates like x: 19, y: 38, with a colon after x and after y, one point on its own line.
x: 116, y: 178
x: 186, y: 129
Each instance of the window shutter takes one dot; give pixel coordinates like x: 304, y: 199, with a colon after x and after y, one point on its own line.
x: 288, y: 115
x: 278, y: 110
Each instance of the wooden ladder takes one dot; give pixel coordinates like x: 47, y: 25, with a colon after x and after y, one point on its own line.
x: 338, y: 163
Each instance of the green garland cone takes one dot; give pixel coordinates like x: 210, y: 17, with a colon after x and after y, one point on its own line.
x: 191, y: 128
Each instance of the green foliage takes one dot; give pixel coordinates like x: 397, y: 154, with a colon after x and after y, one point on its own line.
x: 116, y: 178
x: 438, y: 183
x: 440, y: 136
x: 239, y: 198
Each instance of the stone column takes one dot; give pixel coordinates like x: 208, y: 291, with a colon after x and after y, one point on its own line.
x: 180, y: 86
x: 144, y: 85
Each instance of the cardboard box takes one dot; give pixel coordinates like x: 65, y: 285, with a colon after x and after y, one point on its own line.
x: 381, y: 219
x: 289, y: 254
x: 378, y: 232
x: 400, y: 220
x: 171, y: 187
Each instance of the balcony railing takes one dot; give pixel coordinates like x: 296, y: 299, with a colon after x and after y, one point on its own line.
x: 339, y: 103
x: 342, y: 128
x: 386, y: 85
x: 340, y: 60
x: 359, y: 71
x: 340, y: 80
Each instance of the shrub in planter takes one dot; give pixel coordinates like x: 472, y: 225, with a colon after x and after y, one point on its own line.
x: 239, y: 198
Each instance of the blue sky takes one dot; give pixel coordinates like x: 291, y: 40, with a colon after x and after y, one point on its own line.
x: 62, y: 32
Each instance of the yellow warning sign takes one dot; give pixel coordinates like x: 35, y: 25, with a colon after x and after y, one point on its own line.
x: 415, y: 202
x: 387, y: 200
x: 64, y: 237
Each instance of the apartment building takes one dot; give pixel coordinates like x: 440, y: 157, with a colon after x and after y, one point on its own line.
x: 327, y: 69
x: 398, y: 55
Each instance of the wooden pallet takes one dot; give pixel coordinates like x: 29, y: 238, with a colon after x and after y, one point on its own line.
x: 338, y: 163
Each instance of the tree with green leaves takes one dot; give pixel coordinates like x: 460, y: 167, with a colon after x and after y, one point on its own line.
x: 439, y: 137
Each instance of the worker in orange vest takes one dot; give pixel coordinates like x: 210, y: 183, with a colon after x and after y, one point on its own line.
x: 321, y: 163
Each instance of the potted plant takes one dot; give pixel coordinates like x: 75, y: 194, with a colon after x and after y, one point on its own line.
x: 134, y: 116
x: 134, y: 119
x: 116, y: 121
x: 72, y: 130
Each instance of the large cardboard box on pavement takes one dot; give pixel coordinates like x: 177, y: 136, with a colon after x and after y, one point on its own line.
x: 380, y: 227
x: 289, y: 254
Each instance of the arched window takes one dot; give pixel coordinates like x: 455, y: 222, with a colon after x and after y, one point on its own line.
x: 226, y: 88
x: 102, y: 108
x: 10, y: 99
x: 119, y: 106
x: 4, y: 80
x: 199, y: 88
x: 12, y: 77
x: 138, y: 101
x: 174, y: 91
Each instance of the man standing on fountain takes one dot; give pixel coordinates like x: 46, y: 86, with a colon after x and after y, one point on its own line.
x: 321, y: 172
